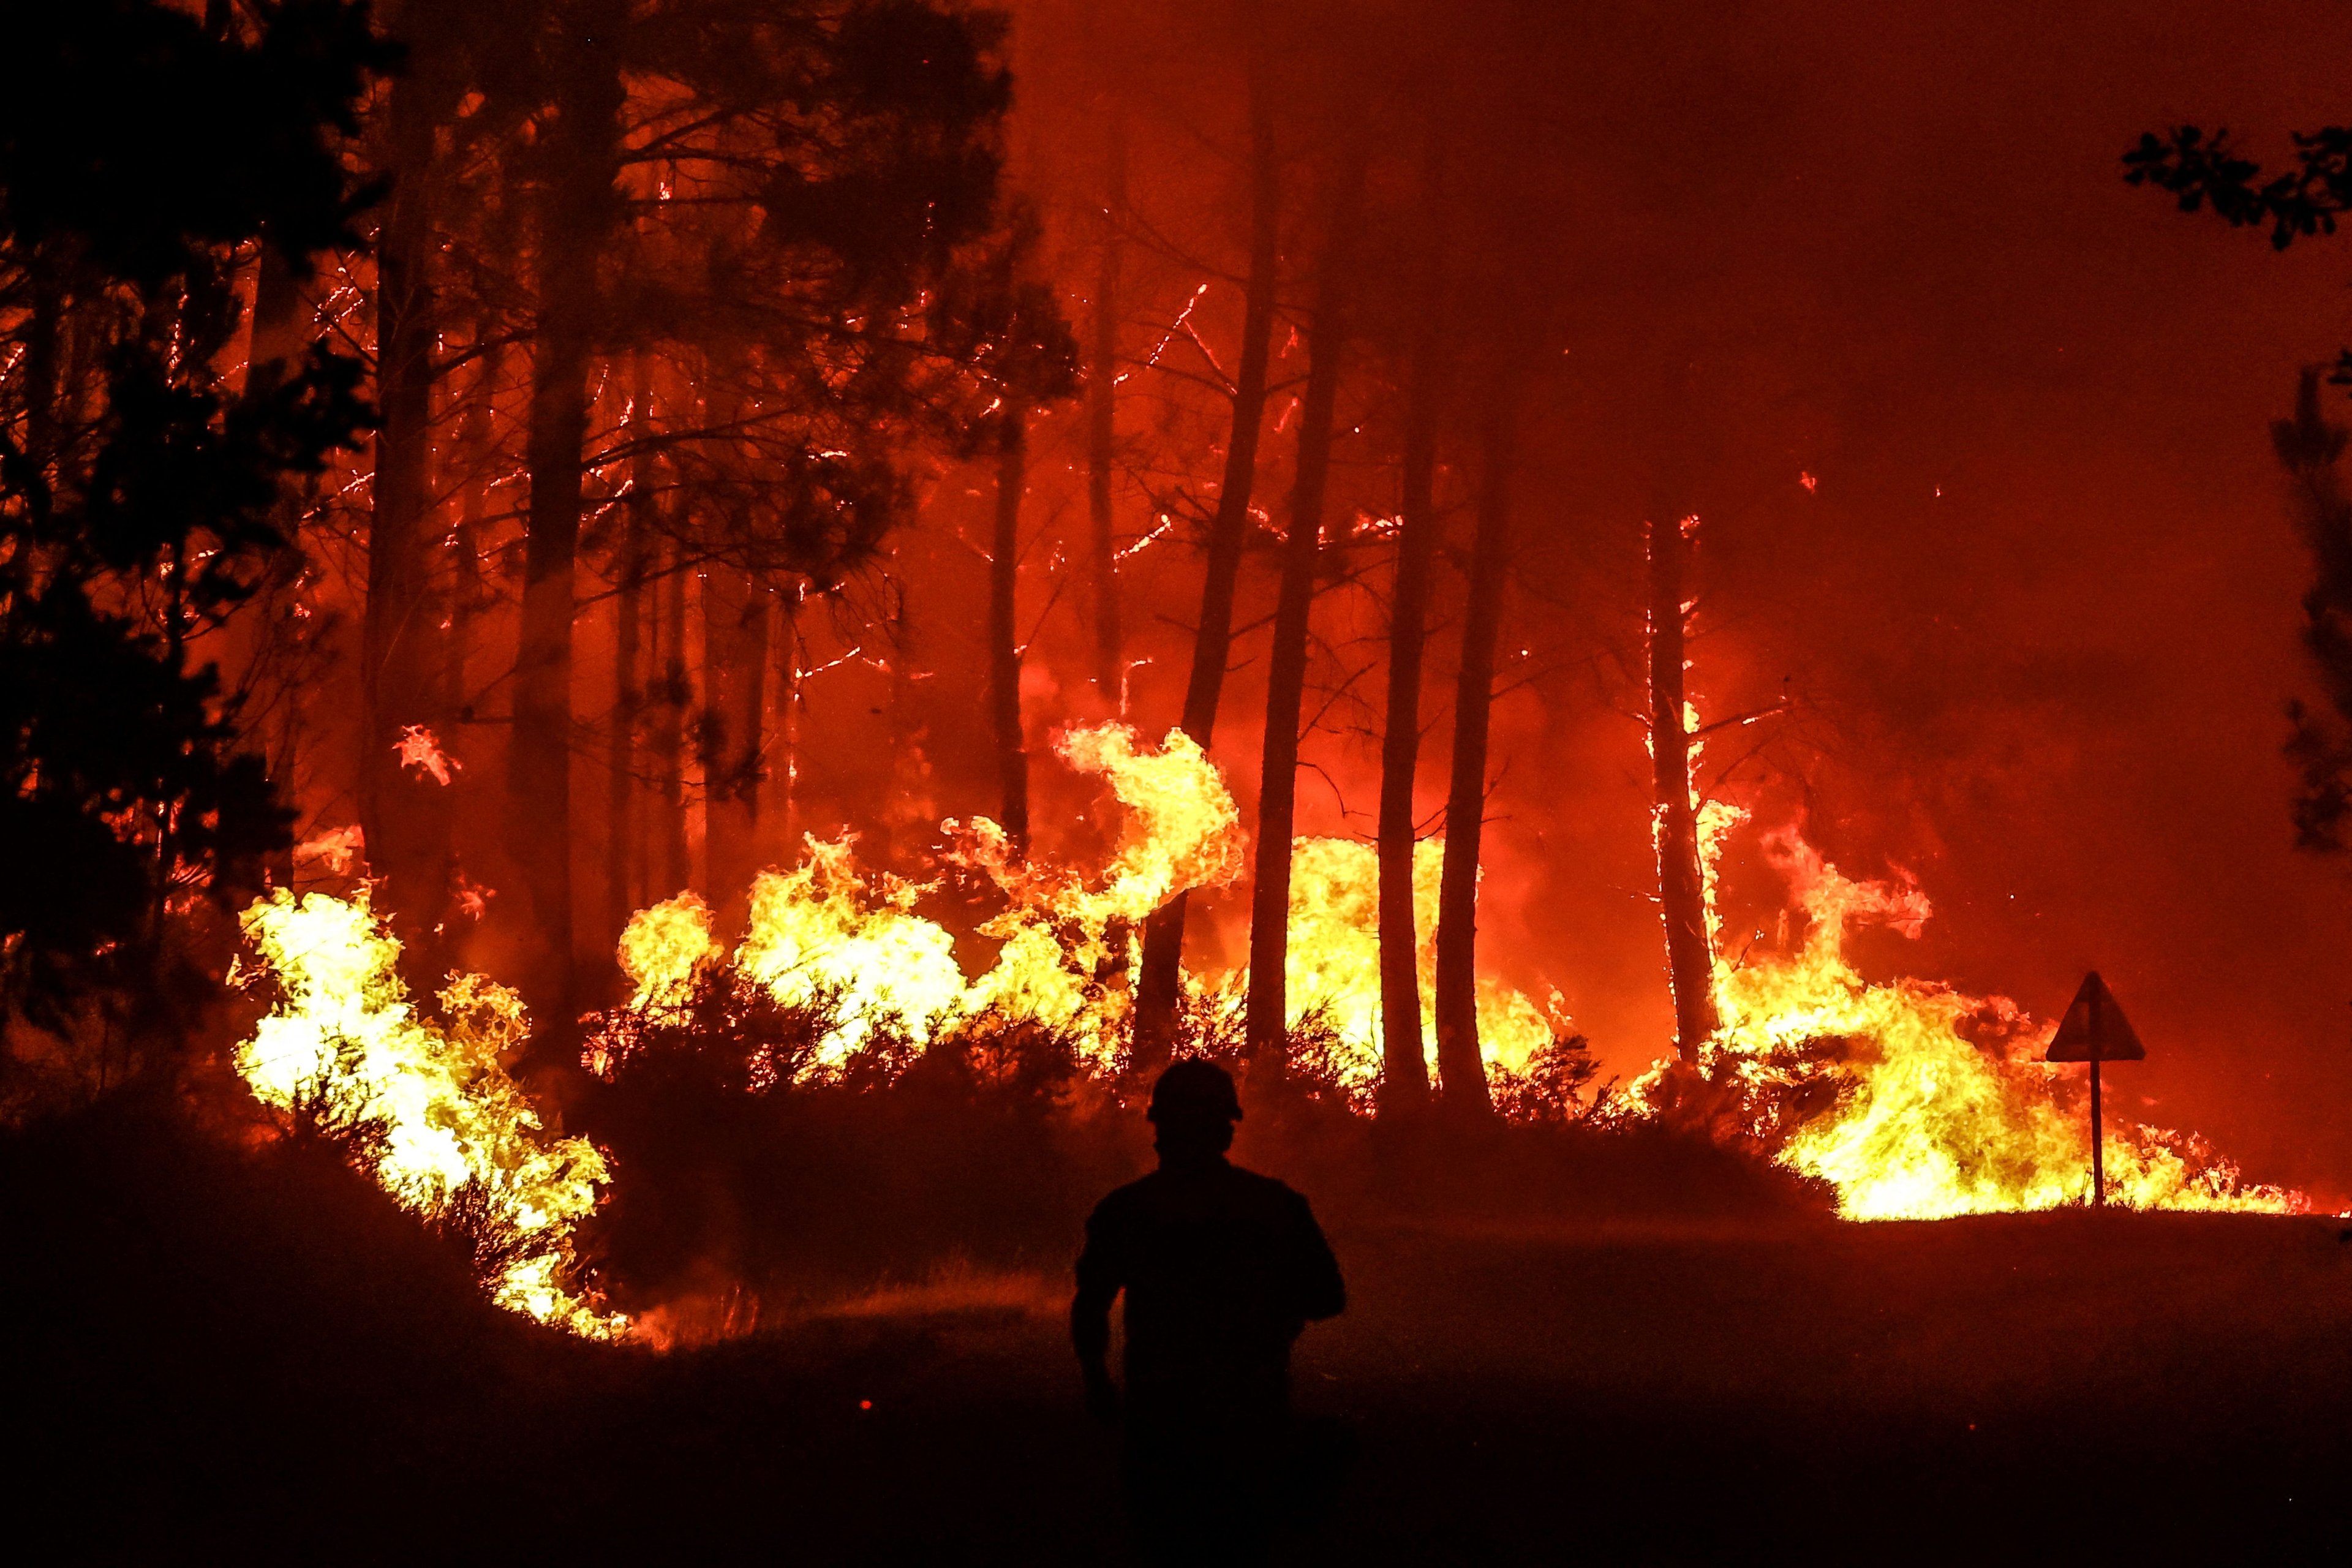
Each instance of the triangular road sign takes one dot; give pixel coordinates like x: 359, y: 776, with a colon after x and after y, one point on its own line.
x: 2095, y: 1028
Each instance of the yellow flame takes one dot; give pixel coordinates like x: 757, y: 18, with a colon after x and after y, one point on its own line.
x: 822, y: 928
x: 1334, y: 961
x: 1916, y: 1102
x: 346, y: 1037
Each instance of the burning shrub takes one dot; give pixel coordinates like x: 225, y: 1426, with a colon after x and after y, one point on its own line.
x: 429, y: 1110
x: 1552, y: 1087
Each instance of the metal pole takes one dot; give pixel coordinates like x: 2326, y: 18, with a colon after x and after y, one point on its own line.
x: 2098, y: 1155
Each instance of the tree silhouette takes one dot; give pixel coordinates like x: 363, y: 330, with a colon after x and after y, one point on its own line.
x: 143, y: 157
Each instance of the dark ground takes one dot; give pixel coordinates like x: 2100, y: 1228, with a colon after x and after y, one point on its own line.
x: 217, y: 1355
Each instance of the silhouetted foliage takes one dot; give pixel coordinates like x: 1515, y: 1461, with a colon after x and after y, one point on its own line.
x: 143, y: 159
x: 2308, y: 448
x: 2304, y: 202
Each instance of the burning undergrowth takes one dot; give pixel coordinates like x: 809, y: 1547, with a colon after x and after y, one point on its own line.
x: 831, y: 1092
x: 427, y: 1107
x: 1913, y: 1100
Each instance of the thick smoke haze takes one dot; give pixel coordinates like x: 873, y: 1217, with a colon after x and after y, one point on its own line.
x: 2036, y: 621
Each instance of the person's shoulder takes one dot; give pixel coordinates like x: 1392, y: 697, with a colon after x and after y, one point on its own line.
x: 1126, y: 1200
x: 1267, y: 1190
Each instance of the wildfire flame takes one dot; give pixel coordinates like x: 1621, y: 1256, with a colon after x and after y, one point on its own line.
x: 420, y: 748
x: 1335, y: 957
x: 1913, y: 1100
x: 453, y: 1133
x: 827, y: 930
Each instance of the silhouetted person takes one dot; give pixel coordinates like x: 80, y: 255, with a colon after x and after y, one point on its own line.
x: 1222, y: 1269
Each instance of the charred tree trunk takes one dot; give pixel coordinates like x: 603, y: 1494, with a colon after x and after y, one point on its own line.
x: 734, y: 717
x: 1461, y: 1068
x: 583, y: 155
x: 672, y: 696
x: 621, y: 837
x: 781, y: 754
x: 280, y: 334
x: 1269, y: 997
x: 404, y: 813
x: 1404, y: 1071
x: 1004, y: 636
x: 466, y: 596
x: 1102, y: 425
x: 1163, y: 932
x: 1682, y: 884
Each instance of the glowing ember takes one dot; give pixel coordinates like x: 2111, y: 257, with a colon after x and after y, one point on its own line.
x: 420, y: 748
x: 346, y: 1047
x: 335, y: 851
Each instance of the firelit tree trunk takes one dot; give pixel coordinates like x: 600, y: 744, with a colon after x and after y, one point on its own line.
x: 281, y: 331
x: 404, y: 811
x: 1461, y: 1069
x: 733, y: 727
x: 1682, y: 886
x: 1286, y: 683
x: 781, y: 797
x: 621, y: 837
x: 581, y: 154
x: 1102, y: 421
x: 1404, y: 1072
x: 1004, y: 636
x: 672, y: 696
x: 1164, y: 932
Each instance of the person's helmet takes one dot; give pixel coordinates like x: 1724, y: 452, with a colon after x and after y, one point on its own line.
x: 1193, y: 1091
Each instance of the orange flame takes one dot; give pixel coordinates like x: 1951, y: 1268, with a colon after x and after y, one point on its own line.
x: 346, y: 1044
x: 1913, y: 1100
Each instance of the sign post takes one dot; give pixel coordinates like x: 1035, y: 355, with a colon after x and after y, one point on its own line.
x: 2095, y: 1030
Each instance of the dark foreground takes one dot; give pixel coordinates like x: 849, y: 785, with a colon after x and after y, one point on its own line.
x: 256, y: 1358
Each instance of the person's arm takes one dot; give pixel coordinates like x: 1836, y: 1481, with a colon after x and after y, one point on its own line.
x: 1098, y: 1286
x: 1319, y: 1290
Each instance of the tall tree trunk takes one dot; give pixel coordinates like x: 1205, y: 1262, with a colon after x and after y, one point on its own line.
x: 1102, y: 422
x: 583, y: 156
x: 1268, y: 1017
x: 404, y: 811
x: 734, y: 717
x: 1405, y: 1071
x: 674, y: 694
x: 1163, y: 932
x: 621, y: 839
x: 467, y: 595
x: 1461, y: 1068
x: 281, y: 331
x: 782, y: 755
x: 1682, y: 887
x: 1003, y: 635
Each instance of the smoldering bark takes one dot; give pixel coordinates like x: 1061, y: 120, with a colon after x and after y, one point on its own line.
x: 733, y: 728
x: 1102, y: 423
x: 1267, y: 1020
x: 1404, y: 1072
x: 621, y: 837
x: 1461, y: 1068
x: 673, y: 694
x: 781, y: 794
x: 1003, y: 638
x: 1163, y: 932
x: 280, y: 334
x: 1682, y: 889
x: 577, y: 210
x: 468, y: 595
x: 404, y: 811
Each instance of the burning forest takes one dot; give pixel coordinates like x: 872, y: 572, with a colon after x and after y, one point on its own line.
x: 665, y: 659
